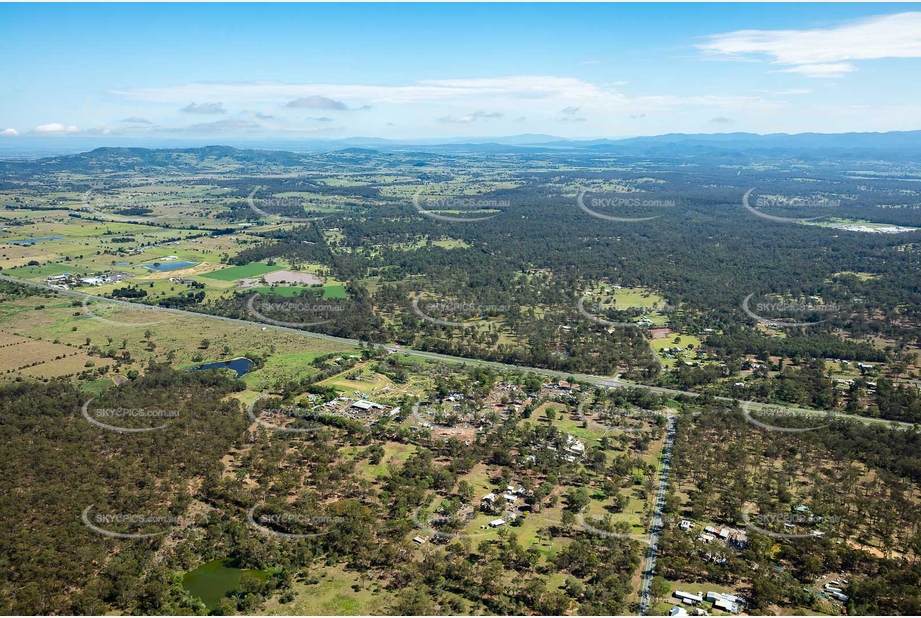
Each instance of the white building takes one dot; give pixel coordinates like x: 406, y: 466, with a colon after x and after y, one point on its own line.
x: 687, y: 597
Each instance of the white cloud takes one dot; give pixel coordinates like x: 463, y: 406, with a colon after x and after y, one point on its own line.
x: 443, y: 90
x: 453, y: 102
x: 220, y: 126
x: 318, y: 102
x: 471, y: 117
x: 204, y: 108
x: 824, y: 52
x: 832, y: 69
x: 55, y: 128
x: 9, y: 133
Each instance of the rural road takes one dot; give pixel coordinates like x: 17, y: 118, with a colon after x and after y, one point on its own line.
x: 602, y: 381
x: 657, y: 518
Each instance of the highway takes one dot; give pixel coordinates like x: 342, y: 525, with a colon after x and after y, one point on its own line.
x: 657, y: 518
x: 591, y: 379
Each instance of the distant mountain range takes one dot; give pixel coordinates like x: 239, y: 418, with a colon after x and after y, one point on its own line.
x: 892, y: 145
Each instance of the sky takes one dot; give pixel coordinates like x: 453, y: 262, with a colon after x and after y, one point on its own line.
x: 137, y: 73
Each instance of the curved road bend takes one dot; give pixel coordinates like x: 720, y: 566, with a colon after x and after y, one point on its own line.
x: 657, y: 518
x: 596, y: 380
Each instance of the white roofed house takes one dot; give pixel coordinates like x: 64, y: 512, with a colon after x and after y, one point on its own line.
x: 574, y: 446
x: 726, y: 602
x: 689, y: 598
x: 366, y: 406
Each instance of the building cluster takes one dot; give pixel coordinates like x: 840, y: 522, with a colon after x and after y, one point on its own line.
x: 724, y: 602
x: 733, y: 537
x: 66, y: 281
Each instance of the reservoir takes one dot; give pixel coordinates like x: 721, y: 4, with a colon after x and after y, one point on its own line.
x: 213, y: 580
x: 169, y: 266
x: 32, y: 241
x: 241, y: 365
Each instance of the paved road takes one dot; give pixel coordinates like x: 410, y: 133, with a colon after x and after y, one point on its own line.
x: 591, y: 379
x: 657, y: 518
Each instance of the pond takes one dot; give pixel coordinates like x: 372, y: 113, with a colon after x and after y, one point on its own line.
x: 213, y: 580
x: 241, y: 365
x: 32, y: 241
x: 169, y: 266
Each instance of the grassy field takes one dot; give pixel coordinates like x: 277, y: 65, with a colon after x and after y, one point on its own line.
x: 282, y: 368
x: 395, y: 454
x: 373, y: 381
x: 669, y: 342
x: 177, y: 336
x: 336, y: 290
x: 233, y: 273
x: 337, y: 593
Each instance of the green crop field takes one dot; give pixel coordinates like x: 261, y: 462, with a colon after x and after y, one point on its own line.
x: 242, y: 272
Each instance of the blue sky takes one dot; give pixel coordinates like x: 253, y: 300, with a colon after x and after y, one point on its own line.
x: 413, y: 71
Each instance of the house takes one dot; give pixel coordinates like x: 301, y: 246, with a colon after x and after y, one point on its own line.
x: 686, y: 525
x: 510, y: 497
x: 687, y: 597
x: 706, y: 538
x: 726, y: 606
x: 418, y: 540
x: 677, y: 610
x: 713, y: 597
x: 574, y: 446
x: 496, y: 523
x: 366, y: 406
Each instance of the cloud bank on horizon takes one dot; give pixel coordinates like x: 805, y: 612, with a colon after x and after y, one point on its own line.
x: 790, y: 80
